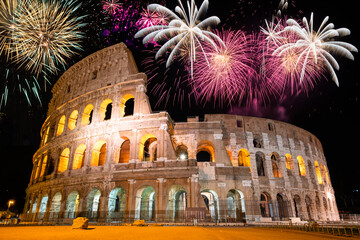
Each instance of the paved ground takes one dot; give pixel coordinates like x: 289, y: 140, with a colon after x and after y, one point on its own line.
x: 154, y: 232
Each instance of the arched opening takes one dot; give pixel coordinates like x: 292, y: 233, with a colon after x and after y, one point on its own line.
x: 64, y: 160
x: 177, y: 203
x: 181, y: 152
x: 87, y: 115
x: 260, y: 159
x: 308, y: 207
x: 148, y: 148
x: 98, y: 154
x: 43, y: 165
x: 117, y: 204
x: 318, y: 172
x: 93, y: 203
x: 282, y: 207
x: 127, y: 105
x: 125, y: 152
x: 211, y: 201
x: 297, y: 205
x: 34, y: 205
x: 289, y: 162
x: 145, y: 204
x: 61, y: 125
x: 244, y: 158
x: 322, y: 172
x: 43, y: 205
x: 72, y: 119
x: 301, y: 165
x: 79, y: 157
x: 266, y: 207
x: 105, y: 109
x: 327, y: 175
x: 45, y: 135
x: 55, y: 206
x: 275, y: 163
x: 72, y: 204
x: 235, y: 206
x: 205, y: 152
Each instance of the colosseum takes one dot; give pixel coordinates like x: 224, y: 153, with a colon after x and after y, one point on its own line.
x: 105, y: 155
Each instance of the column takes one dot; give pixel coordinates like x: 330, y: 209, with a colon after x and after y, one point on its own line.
x: 130, y: 203
x: 160, y: 208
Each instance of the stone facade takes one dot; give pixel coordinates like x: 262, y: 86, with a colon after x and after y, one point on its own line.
x: 105, y: 155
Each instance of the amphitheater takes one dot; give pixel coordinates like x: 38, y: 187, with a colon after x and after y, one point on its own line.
x: 105, y: 155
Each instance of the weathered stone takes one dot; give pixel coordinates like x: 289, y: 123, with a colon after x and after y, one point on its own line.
x: 139, y: 223
x: 80, y: 222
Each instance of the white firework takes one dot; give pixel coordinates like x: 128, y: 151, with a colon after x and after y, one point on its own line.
x: 185, y: 31
x: 317, y: 46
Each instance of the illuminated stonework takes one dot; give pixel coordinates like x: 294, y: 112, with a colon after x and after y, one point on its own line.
x: 105, y: 155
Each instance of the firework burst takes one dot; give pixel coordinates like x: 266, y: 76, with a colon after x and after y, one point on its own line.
x: 223, y: 73
x: 111, y: 6
x: 47, y: 34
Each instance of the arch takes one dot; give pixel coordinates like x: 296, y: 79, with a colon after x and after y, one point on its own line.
x: 72, y: 119
x: 181, y: 152
x: 148, y: 148
x: 72, y: 204
x: 235, y: 205
x: 327, y: 175
x: 289, y: 161
x: 87, y: 115
x: 98, y: 154
x: 145, y: 203
x: 79, y: 157
x: 275, y: 161
x: 260, y: 160
x: 308, y: 207
x: 124, y: 156
x: 211, y: 200
x: 297, y: 205
x: 105, y: 109
x: 55, y: 206
x: 34, y: 205
x: 43, y: 205
x: 127, y: 105
x: 61, y: 125
x: 282, y: 207
x: 64, y: 160
x: 117, y: 204
x: 244, y: 158
x: 318, y: 172
x: 205, y: 152
x: 266, y: 207
x: 46, y: 135
x: 93, y: 203
x: 43, y: 165
x: 301, y: 165
x: 322, y: 172
x: 177, y: 203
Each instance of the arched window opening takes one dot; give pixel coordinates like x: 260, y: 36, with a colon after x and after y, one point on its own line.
x: 105, y: 109
x: 297, y: 205
x: 266, y: 207
x: 72, y: 119
x: 318, y: 172
x: 127, y: 105
x: 275, y: 162
x: 301, y: 165
x: 235, y: 205
x: 257, y: 143
x: 205, y: 152
x: 61, y: 125
x: 308, y: 207
x: 327, y: 175
x: 64, y: 160
x: 282, y: 207
x: 87, y: 115
x: 55, y: 206
x: 244, y: 158
x: 79, y: 157
x: 43, y: 205
x: 72, y: 204
x: 43, y: 165
x: 93, y: 203
x: 148, y: 148
x: 145, y: 204
x: 211, y: 201
x: 289, y: 162
x: 260, y: 160
x: 117, y: 204
x: 125, y: 152
x: 98, y: 154
x: 181, y: 152
x: 323, y: 172
x: 177, y: 203
x: 46, y: 135
x: 38, y: 166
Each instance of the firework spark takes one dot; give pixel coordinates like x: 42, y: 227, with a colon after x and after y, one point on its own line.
x: 184, y: 30
x: 111, y: 6
x: 226, y: 70
x: 150, y: 18
x: 317, y: 46
x: 47, y: 34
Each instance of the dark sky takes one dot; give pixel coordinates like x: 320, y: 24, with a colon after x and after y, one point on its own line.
x: 329, y: 112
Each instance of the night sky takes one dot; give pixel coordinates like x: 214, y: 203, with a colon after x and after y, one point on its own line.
x: 329, y: 112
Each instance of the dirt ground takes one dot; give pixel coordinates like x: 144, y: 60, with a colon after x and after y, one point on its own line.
x: 153, y: 232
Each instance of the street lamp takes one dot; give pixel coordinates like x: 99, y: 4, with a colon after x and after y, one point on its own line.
x: 11, y: 202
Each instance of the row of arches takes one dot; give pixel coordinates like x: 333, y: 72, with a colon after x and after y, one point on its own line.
x: 104, y: 113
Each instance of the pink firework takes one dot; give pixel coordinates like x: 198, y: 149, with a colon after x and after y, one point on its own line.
x: 150, y: 18
x: 111, y: 6
x: 223, y: 73
x: 285, y: 70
